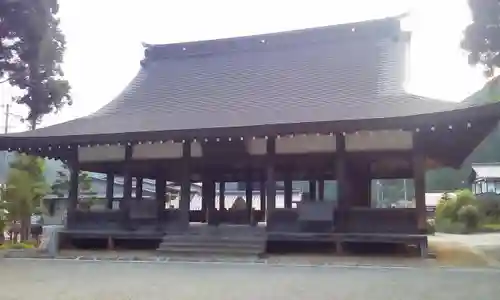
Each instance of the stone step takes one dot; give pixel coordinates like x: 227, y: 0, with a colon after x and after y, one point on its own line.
x: 209, y: 245
x: 226, y: 230
x: 205, y: 239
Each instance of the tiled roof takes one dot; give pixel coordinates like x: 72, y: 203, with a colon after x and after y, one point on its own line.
x: 336, y: 73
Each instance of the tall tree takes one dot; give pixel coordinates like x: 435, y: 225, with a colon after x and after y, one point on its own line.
x: 482, y: 36
x: 24, y: 190
x: 31, y: 55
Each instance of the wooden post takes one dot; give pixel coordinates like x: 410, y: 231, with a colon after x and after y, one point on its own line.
x: 205, y: 194
x: 270, y: 178
x: 419, y: 184
x: 262, y: 195
x: 288, y: 190
x: 419, y: 169
x: 222, y: 196
x: 74, y: 169
x: 342, y: 188
x: 211, y: 213
x: 321, y: 190
x: 160, y: 195
x: 138, y: 188
x: 125, y: 204
x: 249, y: 195
x: 312, y: 190
x: 185, y: 200
x: 110, y: 190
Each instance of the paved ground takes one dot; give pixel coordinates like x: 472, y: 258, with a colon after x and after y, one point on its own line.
x: 68, y: 280
x: 473, y: 240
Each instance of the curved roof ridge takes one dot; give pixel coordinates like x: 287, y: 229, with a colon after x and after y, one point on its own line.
x: 376, y: 29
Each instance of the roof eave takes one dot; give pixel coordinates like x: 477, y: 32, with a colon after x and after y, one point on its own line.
x: 438, y: 120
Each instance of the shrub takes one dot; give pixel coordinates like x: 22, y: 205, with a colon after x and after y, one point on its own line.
x: 469, y: 215
x: 431, y: 226
x: 489, y: 205
x: 458, y: 214
x: 446, y: 209
x: 448, y: 226
x: 17, y: 246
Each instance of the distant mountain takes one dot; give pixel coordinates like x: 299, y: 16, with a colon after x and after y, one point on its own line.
x: 487, y: 152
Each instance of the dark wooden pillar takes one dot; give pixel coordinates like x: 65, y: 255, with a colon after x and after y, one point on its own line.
x: 249, y: 194
x: 321, y: 190
x: 125, y: 204
x: 205, y: 195
x: 222, y: 196
x: 185, y: 171
x: 270, y: 176
x: 160, y: 193
x: 342, y: 182
x: 419, y: 184
x: 359, y: 185
x: 210, y: 201
x: 110, y: 190
x: 138, y: 188
x: 288, y: 190
x: 262, y: 191
x: 74, y: 171
x: 312, y: 190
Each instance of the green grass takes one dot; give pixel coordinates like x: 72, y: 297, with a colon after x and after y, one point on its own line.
x: 9, y: 245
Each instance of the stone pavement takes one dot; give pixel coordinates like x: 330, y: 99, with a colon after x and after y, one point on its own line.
x: 85, y: 280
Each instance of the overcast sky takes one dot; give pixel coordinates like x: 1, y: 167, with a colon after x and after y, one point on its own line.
x: 105, y: 38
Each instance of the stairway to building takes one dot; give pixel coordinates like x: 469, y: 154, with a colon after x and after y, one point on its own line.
x: 222, y: 240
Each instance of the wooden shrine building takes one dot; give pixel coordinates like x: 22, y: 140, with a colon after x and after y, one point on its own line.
x: 316, y: 104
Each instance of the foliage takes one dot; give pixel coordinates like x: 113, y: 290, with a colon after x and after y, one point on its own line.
x: 17, y: 246
x: 489, y: 205
x: 3, y: 213
x: 458, y: 214
x: 469, y: 216
x: 431, y: 226
x: 448, y: 226
x: 31, y: 55
x: 24, y: 190
x: 482, y: 36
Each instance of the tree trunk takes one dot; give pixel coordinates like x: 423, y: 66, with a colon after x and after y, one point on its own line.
x: 25, y: 228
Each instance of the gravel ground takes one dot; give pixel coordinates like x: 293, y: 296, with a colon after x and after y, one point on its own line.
x: 68, y: 280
